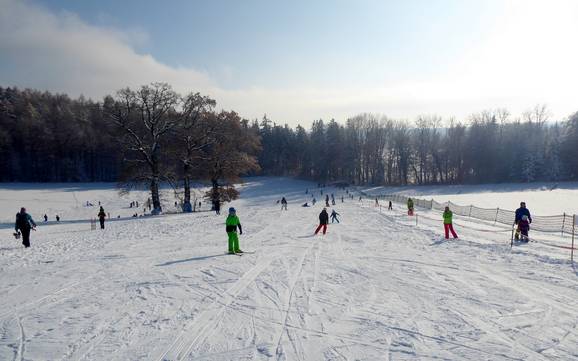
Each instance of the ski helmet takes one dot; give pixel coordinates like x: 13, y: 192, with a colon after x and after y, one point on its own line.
x: 232, y: 210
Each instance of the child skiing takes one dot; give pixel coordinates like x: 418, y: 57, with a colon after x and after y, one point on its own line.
x: 520, y: 213
x: 323, y: 220
x: 334, y: 216
x: 448, y: 226
x: 232, y: 223
x: 410, y: 207
x: 524, y: 228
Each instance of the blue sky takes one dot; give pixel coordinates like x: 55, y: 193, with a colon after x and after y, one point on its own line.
x: 303, y: 60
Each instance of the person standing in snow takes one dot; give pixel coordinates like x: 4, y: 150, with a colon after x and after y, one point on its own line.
x: 410, y: 207
x: 376, y: 202
x: 520, y: 212
x: 101, y: 217
x: 232, y: 223
x: 448, y: 225
x: 334, y: 216
x: 24, y: 223
x: 283, y: 204
x: 45, y: 218
x: 524, y: 228
x: 390, y: 206
x: 217, y: 206
x: 327, y: 200
x: 323, y: 220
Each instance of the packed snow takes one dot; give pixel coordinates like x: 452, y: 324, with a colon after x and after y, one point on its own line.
x: 543, y: 198
x: 375, y: 287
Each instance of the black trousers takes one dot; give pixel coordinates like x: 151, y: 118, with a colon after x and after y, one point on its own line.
x: 25, y: 237
x: 101, y: 223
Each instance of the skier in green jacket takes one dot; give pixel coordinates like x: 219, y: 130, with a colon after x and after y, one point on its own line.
x: 232, y: 224
x: 448, y: 226
x: 410, y: 207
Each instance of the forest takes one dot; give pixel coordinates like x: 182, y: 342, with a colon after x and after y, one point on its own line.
x: 152, y: 134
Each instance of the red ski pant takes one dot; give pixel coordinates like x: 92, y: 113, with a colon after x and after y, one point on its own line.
x: 319, y: 227
x: 450, y: 227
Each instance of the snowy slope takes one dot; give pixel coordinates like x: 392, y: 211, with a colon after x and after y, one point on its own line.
x: 542, y: 198
x: 376, y: 287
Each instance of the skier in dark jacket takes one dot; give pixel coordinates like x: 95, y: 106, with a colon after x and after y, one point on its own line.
x: 217, y: 206
x: 283, y: 204
x: 101, y: 217
x: 327, y: 200
x: 24, y: 223
x: 334, y: 216
x: 323, y: 220
x: 521, y: 212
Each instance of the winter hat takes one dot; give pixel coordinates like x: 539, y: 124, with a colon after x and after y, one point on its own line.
x: 232, y: 210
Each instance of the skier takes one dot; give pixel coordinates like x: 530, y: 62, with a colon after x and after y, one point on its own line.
x: 217, y: 206
x: 390, y: 206
x: 232, y: 223
x: 332, y: 199
x: 376, y: 202
x: 314, y: 201
x: 327, y: 200
x: 24, y: 223
x: 334, y: 216
x: 448, y: 226
x: 524, y: 228
x: 283, y: 203
x: 323, y: 220
x: 45, y: 218
x: 101, y: 217
x: 410, y: 207
x: 341, y: 199
x: 520, y: 212
x: 57, y: 218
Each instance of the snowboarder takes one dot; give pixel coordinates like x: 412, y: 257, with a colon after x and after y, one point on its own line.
x: 410, y: 207
x: 524, y: 228
x: 323, y: 220
x: 24, y: 223
x: 520, y: 212
x: 232, y: 223
x: 390, y: 206
x: 448, y: 226
x: 305, y: 205
x: 334, y: 216
x: 283, y: 203
x: 101, y: 217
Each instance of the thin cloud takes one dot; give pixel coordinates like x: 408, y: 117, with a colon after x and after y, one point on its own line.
x: 527, y: 57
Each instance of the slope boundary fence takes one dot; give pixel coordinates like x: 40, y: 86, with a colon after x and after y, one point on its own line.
x: 565, y: 224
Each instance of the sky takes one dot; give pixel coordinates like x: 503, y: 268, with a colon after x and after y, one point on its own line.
x: 298, y: 61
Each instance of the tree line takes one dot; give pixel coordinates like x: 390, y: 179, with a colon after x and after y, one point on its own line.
x: 153, y: 135
x: 371, y: 149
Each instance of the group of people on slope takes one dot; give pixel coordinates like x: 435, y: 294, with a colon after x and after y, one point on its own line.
x: 522, y: 221
x: 24, y: 224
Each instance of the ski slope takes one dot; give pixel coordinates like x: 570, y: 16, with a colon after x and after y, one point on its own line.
x: 375, y: 287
